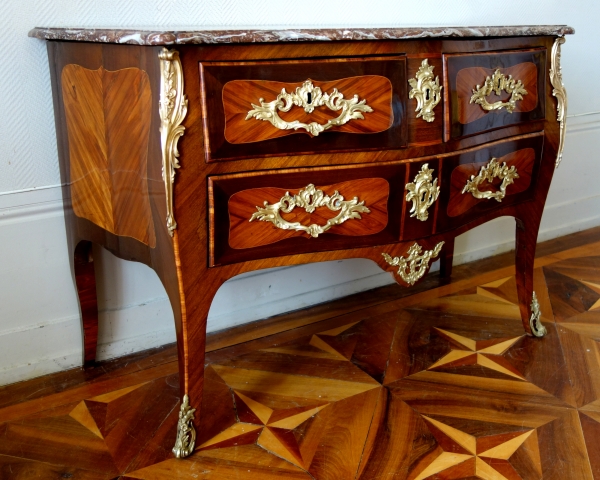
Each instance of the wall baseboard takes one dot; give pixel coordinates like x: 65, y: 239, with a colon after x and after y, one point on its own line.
x: 45, y: 347
x: 40, y: 329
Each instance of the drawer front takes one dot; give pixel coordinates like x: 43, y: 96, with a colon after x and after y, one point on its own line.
x: 494, y: 90
x: 488, y: 178
x: 286, y: 212
x: 255, y: 109
x: 421, y: 198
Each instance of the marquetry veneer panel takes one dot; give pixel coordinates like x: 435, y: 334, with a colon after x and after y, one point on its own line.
x: 465, y: 72
x: 108, y: 123
x: 235, y: 198
x: 374, y: 192
x: 523, y: 160
x: 525, y: 153
x: 229, y: 89
x: 240, y: 95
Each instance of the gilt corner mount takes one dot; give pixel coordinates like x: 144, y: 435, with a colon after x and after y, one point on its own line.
x: 173, y: 106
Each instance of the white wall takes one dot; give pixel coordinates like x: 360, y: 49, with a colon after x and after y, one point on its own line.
x: 39, y: 318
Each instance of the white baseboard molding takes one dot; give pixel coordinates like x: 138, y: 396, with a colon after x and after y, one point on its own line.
x: 135, y: 327
x: 135, y: 343
x: 34, y: 350
x: 39, y: 367
x: 241, y: 315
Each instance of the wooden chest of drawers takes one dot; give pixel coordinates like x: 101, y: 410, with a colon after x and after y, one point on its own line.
x: 214, y: 156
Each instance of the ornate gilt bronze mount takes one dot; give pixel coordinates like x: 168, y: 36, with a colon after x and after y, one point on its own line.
x: 309, y: 199
x: 309, y: 97
x: 186, y: 434
x: 560, y: 93
x: 496, y: 84
x: 537, y: 329
x: 173, y: 109
x: 487, y: 173
x: 413, y: 267
x: 426, y: 91
x: 422, y: 192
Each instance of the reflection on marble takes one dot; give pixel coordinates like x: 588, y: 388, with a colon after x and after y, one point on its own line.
x: 164, y: 37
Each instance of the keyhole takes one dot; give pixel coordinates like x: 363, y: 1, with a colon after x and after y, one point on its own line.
x: 308, y: 97
x: 427, y: 94
x: 423, y: 197
x: 499, y: 83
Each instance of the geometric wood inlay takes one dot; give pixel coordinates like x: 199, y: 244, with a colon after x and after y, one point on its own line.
x: 108, y: 123
x: 466, y: 396
x: 462, y: 455
x: 487, y: 354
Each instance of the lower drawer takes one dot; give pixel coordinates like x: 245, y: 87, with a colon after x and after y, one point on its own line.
x: 283, y: 212
x: 488, y: 178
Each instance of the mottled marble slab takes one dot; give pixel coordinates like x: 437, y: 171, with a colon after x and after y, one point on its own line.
x: 170, y: 37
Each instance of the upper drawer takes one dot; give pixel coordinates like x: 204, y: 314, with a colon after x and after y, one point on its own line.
x: 494, y: 90
x: 255, y: 109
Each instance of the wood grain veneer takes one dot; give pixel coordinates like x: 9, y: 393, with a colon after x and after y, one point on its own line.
x: 233, y: 201
x: 374, y: 192
x: 468, y: 78
x: 107, y: 116
x: 465, y: 71
x: 240, y: 95
x: 523, y: 160
x: 230, y: 88
x: 525, y: 152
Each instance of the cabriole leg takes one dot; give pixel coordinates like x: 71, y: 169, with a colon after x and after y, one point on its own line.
x: 195, y: 410
x: 85, y: 278
x: 446, y: 259
x: 526, y: 239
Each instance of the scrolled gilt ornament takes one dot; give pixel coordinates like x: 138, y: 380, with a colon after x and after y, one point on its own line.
x: 426, y: 91
x: 498, y: 83
x: 487, y: 173
x: 309, y: 97
x: 173, y: 109
x: 186, y: 434
x: 537, y: 329
x: 309, y: 199
x: 414, y: 266
x: 560, y: 93
x: 423, y: 192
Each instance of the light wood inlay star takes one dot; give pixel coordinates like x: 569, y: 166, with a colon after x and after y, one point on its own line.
x: 481, y: 457
x: 487, y: 353
x: 274, y: 436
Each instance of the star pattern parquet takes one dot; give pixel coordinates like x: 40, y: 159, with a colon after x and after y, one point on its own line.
x: 437, y: 386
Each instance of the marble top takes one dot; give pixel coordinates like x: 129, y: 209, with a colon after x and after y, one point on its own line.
x: 191, y: 36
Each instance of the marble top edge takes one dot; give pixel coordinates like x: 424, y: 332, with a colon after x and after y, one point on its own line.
x: 175, y: 37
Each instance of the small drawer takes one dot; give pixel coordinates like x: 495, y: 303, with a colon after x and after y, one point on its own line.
x: 488, y: 178
x: 421, y: 198
x: 493, y: 90
x: 284, y: 212
x: 257, y: 109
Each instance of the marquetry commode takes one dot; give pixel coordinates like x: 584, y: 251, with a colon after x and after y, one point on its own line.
x: 205, y: 154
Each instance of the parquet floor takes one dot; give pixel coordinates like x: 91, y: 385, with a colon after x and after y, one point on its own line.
x: 439, y: 384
